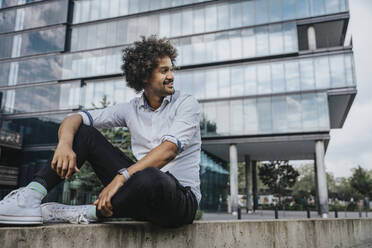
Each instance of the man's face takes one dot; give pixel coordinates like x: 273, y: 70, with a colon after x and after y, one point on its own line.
x: 161, y: 82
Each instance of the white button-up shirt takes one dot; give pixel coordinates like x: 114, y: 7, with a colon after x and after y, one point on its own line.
x: 176, y: 120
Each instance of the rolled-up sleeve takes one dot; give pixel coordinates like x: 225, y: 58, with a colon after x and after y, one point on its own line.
x: 113, y: 116
x: 185, y: 124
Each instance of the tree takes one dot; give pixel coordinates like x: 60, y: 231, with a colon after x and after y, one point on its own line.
x: 361, y: 181
x: 120, y: 138
x: 279, y: 176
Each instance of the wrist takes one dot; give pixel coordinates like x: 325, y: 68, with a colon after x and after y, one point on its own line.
x: 120, y: 179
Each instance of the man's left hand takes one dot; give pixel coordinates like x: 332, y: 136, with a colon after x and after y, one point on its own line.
x: 103, y: 202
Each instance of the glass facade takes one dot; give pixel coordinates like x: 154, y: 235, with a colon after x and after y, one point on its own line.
x: 11, y: 3
x: 34, y: 16
x: 266, y: 115
x: 223, y: 14
x: 239, y: 58
x: 300, y: 74
x: 32, y: 43
x: 36, y: 130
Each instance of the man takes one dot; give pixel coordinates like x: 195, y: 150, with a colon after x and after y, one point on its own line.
x: 161, y: 187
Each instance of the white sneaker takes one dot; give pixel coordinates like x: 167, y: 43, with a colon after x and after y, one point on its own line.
x: 21, y: 206
x: 53, y: 212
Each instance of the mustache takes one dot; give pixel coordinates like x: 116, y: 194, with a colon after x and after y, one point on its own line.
x: 168, y: 81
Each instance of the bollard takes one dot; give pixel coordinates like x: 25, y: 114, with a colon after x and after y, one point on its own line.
x: 276, y: 213
x: 239, y: 213
x: 336, y: 213
x: 308, y: 213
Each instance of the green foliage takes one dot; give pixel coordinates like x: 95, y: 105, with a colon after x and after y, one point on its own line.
x: 120, y: 138
x: 198, y: 215
x: 279, y: 176
x: 361, y: 181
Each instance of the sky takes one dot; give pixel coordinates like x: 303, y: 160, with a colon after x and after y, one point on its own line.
x: 352, y: 145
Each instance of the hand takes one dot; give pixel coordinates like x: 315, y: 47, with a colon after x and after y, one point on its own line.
x: 103, y: 202
x: 64, y: 161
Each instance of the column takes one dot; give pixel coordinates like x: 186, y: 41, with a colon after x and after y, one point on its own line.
x: 316, y: 188
x: 254, y: 185
x: 234, y: 178
x: 311, y: 38
x: 321, y: 178
x: 248, y: 182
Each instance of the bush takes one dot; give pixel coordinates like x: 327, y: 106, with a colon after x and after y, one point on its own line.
x: 198, y: 215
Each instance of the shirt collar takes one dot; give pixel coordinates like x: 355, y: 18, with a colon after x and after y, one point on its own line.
x: 145, y: 104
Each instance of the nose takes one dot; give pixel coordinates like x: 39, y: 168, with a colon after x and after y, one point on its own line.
x: 170, y: 75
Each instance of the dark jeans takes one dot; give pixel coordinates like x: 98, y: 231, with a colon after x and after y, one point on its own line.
x: 149, y: 195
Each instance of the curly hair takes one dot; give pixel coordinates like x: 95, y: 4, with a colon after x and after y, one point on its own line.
x: 142, y: 58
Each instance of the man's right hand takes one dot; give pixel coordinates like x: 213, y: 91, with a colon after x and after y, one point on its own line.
x: 64, y: 161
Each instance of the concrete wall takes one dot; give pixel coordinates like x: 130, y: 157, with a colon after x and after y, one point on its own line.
x: 318, y: 233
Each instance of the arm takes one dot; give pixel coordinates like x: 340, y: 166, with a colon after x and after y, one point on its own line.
x: 180, y: 134
x: 64, y: 158
x: 157, y: 157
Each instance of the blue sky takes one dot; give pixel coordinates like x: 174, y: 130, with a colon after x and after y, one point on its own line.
x: 352, y: 145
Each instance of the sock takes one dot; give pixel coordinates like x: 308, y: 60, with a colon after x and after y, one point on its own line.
x: 38, y: 188
x: 92, y: 212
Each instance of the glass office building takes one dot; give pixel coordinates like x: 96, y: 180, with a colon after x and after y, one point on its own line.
x: 273, y: 77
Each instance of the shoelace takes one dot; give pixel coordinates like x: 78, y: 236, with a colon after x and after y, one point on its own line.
x: 13, y: 194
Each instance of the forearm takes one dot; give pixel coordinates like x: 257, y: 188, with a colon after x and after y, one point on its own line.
x: 157, y: 157
x: 68, y: 128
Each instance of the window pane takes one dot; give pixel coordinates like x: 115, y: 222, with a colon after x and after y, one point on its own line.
x: 263, y: 79
x: 236, y: 44
x: 337, y: 71
x: 303, y: 9
x: 211, y: 83
x: 237, y: 124
x: 236, y: 17
x: 176, y: 24
x: 250, y: 80
x: 277, y: 77
x: 323, y: 115
x: 210, y: 47
x: 264, y: 114
x: 198, y: 21
x: 309, y: 113
x: 164, y: 25
x: 186, y: 51
x: 290, y: 37
x: 198, y: 49
x: 279, y: 110
x: 210, y: 115
x: 307, y: 74
x: 262, y: 39
x: 322, y: 76
x: 199, y: 84
x: 248, y: 13
x: 210, y: 18
x: 223, y: 118
x: 289, y: 9
x: 249, y: 43
x: 223, y: 46
x: 332, y: 6
x: 224, y: 82
x: 275, y: 10
x: 292, y: 76
x: 237, y: 81
x: 317, y: 7
x: 250, y: 116
x: 294, y: 117
x: 186, y: 22
x: 276, y: 39
x: 261, y: 11
x: 349, y: 68
x: 223, y: 16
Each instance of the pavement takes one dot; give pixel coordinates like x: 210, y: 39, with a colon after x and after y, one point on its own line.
x: 269, y: 214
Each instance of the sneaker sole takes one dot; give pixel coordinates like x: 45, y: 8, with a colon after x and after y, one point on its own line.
x: 21, y: 220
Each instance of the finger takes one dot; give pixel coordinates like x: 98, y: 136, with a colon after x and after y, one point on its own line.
x: 95, y: 202
x: 53, y: 164
x: 70, y: 169
x: 59, y: 167
x: 64, y: 168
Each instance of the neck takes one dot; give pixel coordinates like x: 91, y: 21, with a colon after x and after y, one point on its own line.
x: 153, y: 100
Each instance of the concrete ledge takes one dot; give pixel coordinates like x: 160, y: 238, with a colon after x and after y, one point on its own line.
x: 258, y: 233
